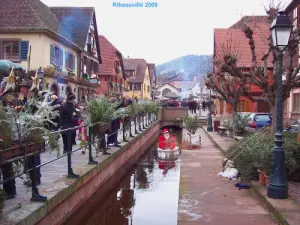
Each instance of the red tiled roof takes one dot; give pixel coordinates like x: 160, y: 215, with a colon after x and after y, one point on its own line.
x: 109, y: 55
x: 249, y: 20
x: 236, y: 39
x: 131, y: 64
x: 139, y: 66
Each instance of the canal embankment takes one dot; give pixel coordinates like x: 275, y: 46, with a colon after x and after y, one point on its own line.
x: 66, y: 195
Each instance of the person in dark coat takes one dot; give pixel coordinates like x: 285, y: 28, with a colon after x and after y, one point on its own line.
x: 115, y: 126
x: 67, y: 120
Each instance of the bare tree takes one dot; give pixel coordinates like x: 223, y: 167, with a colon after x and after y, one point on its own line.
x: 228, y: 79
x: 259, y: 71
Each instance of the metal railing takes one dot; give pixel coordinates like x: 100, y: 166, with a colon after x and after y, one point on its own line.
x: 139, y: 122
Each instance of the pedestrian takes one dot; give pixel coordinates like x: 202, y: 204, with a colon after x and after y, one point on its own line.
x: 115, y: 126
x: 68, y: 120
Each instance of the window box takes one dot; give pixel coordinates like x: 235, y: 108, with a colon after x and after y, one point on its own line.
x: 14, y: 50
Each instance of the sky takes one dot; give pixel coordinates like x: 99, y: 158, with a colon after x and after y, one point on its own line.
x: 172, y: 29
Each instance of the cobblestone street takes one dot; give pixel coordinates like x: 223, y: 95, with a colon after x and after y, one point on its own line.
x: 206, y: 198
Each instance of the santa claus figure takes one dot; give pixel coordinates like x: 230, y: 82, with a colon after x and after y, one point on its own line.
x: 167, y: 141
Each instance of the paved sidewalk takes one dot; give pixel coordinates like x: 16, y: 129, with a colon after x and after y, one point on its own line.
x: 207, y: 199
x: 224, y: 143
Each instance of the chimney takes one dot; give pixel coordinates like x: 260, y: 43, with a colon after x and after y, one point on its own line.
x: 195, y: 78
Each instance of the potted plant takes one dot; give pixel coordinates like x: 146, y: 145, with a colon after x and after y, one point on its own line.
x: 267, y: 165
x: 191, y: 124
x: 24, y: 131
x: 101, y: 113
x: 131, y: 111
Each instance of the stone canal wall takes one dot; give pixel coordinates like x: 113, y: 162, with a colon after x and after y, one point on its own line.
x: 67, y: 201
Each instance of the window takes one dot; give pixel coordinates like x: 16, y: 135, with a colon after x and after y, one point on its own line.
x: 14, y: 50
x: 148, y: 88
x: 56, y: 56
x: 11, y: 50
x: 262, y: 118
x: 165, y: 91
x: 70, y: 61
x: 296, y: 102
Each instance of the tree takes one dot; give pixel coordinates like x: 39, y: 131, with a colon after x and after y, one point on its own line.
x: 259, y: 71
x: 228, y: 79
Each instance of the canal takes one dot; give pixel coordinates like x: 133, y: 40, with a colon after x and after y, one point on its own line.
x: 146, y: 195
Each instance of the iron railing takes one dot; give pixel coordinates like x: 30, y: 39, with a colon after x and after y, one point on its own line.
x: 144, y: 121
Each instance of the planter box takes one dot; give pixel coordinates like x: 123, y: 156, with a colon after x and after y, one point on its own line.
x: 101, y: 128
x: 19, y: 150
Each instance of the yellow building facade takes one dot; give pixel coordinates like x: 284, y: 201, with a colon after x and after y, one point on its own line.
x: 37, y: 51
x: 63, y: 41
x: 138, y: 79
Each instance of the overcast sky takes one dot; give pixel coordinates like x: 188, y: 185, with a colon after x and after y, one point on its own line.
x: 173, y: 29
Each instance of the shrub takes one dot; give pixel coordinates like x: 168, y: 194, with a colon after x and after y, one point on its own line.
x: 101, y: 111
x: 255, y: 152
x: 240, y: 123
x: 191, y: 123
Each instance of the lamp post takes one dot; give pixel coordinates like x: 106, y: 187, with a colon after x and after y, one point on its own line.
x: 40, y: 74
x: 209, y: 118
x: 281, y: 29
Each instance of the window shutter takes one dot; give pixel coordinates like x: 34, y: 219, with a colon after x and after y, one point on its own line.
x: 52, y: 56
x: 67, y: 55
x: 61, y: 57
x: 74, y: 62
x: 24, y: 46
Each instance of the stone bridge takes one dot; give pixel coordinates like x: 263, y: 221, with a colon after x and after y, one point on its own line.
x: 172, y: 116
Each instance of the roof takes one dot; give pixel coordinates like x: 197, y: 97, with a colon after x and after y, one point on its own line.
x: 249, y: 20
x: 131, y: 64
x: 138, y: 65
x: 160, y: 86
x: 235, y: 41
x: 108, y: 53
x: 293, y: 4
x: 33, y: 15
x: 68, y: 18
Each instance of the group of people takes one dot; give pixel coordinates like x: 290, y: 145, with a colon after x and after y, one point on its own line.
x: 70, y: 114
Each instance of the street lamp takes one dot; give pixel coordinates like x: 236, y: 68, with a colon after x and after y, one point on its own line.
x: 281, y: 29
x: 40, y: 74
x: 209, y: 118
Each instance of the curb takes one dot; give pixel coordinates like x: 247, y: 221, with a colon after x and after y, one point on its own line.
x: 279, y: 217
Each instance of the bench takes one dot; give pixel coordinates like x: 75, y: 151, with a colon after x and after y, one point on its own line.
x: 222, y: 131
x: 238, y: 138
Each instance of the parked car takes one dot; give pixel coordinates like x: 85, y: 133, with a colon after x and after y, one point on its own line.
x: 294, y: 128
x: 260, y: 120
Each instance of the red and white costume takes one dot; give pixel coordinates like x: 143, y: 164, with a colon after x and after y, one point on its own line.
x: 170, y: 143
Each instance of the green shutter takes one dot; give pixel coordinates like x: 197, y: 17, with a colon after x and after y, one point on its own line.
x: 24, y: 46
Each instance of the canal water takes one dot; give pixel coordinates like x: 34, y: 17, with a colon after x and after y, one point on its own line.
x: 146, y: 195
